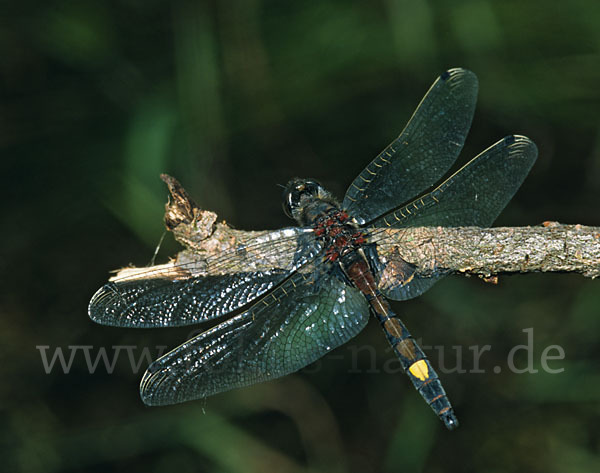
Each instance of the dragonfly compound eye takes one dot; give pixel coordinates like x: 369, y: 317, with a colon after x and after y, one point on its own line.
x: 297, y: 193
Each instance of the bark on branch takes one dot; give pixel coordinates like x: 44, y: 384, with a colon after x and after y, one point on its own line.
x: 484, y: 252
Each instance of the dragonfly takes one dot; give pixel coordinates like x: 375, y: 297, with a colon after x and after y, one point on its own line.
x: 275, y: 321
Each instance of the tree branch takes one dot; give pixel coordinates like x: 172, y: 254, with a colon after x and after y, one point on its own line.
x: 484, y: 252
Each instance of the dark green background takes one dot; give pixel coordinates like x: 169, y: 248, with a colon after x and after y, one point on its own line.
x: 232, y: 98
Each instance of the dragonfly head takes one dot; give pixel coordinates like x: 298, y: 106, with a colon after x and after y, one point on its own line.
x: 300, y: 195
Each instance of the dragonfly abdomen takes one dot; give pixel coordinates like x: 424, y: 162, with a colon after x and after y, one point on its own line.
x: 411, y: 356
x: 417, y: 367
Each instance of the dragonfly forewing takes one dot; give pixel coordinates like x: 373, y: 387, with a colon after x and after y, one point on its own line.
x: 424, y: 151
x: 200, y: 290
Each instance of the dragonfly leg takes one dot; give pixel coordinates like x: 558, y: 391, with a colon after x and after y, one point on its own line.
x: 417, y: 367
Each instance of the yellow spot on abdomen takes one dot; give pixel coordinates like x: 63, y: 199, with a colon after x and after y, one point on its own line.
x: 419, y: 370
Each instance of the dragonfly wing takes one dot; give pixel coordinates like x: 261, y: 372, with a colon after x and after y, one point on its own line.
x: 152, y: 300
x: 411, y: 290
x: 400, y: 280
x: 424, y: 151
x: 169, y: 303
x: 474, y: 195
x: 299, y: 322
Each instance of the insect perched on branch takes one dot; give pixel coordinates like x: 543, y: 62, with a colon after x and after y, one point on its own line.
x: 331, y: 270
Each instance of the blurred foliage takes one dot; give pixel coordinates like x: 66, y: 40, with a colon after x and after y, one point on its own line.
x: 232, y: 98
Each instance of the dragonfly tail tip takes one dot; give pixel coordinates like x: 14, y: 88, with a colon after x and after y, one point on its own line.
x: 450, y: 421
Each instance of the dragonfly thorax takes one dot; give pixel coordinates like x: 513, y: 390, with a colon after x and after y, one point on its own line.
x: 338, y: 233
x: 310, y: 204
